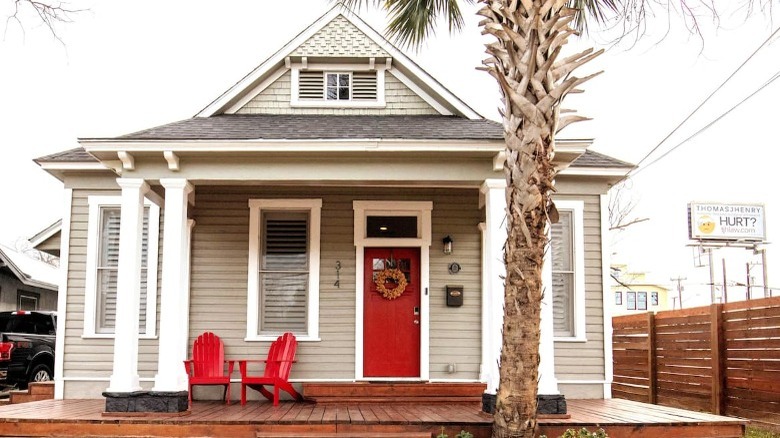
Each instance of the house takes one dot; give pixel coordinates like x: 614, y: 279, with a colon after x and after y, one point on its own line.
x: 635, y: 293
x: 48, y: 240
x: 26, y: 283
x: 335, y: 162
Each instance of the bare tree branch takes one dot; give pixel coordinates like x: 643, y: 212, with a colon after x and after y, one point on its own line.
x: 628, y: 224
x: 49, y: 13
x: 620, y: 208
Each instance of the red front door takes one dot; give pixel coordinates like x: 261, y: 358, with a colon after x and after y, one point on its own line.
x: 391, y: 327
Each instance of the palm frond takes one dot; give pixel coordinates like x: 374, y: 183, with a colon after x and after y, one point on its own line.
x: 412, y: 21
x: 598, y: 11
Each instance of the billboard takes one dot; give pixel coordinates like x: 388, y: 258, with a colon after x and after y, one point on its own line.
x: 714, y: 221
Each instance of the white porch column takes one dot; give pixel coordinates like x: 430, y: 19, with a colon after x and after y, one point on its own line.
x: 125, y: 375
x: 493, y: 194
x: 548, y: 383
x: 175, y: 288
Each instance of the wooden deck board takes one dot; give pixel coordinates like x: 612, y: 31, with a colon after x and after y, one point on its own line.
x: 621, y: 418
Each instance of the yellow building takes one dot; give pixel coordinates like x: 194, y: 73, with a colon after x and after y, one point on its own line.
x: 634, y: 293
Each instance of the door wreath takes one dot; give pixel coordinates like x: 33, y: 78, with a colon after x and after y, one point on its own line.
x: 394, y: 275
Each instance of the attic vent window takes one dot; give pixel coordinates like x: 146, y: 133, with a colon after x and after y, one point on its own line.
x: 338, y: 87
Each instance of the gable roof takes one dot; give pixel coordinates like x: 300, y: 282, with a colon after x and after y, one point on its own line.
x: 31, y: 272
x: 400, y: 62
x: 46, y: 233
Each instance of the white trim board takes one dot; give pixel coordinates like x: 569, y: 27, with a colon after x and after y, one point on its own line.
x: 578, y: 227
x: 62, y: 296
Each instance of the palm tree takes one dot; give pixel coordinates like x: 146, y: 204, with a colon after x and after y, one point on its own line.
x: 524, y: 60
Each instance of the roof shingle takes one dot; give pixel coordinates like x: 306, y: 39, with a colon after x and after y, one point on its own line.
x: 313, y: 127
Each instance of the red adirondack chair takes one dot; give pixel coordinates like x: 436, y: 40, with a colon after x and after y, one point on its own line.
x: 207, y: 366
x: 281, y: 356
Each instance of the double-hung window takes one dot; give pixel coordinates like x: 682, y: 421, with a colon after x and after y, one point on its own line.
x: 631, y: 300
x: 283, y: 292
x: 567, y: 263
x: 641, y: 301
x: 103, y: 265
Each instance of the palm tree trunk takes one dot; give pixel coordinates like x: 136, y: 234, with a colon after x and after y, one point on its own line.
x: 529, y: 36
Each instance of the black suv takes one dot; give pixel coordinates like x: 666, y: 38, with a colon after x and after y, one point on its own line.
x: 27, y: 341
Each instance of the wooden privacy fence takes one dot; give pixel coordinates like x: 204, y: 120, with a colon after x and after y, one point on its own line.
x: 723, y: 358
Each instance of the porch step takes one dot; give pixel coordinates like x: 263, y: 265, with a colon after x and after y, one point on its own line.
x: 393, y: 392
x: 35, y: 392
x: 41, y: 388
x: 345, y: 435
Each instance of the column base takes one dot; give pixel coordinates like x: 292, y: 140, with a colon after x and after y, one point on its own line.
x: 489, y: 403
x: 146, y: 401
x: 551, y: 404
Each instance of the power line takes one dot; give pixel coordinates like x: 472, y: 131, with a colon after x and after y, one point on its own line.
x: 718, y: 88
x: 710, y: 124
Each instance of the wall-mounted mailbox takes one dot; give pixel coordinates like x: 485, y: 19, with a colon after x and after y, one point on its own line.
x: 454, y: 296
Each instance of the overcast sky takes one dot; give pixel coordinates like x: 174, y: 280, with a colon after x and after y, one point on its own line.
x: 128, y: 65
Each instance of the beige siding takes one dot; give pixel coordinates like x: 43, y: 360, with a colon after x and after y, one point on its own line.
x: 339, y: 38
x: 90, y: 357
x: 585, y: 360
x: 400, y: 100
x: 219, y: 277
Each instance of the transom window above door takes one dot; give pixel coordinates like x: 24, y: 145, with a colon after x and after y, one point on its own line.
x: 391, y: 226
x: 399, y: 223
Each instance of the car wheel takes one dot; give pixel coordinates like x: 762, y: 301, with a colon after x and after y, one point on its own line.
x: 41, y: 373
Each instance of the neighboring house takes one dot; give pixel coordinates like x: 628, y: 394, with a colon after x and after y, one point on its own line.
x: 634, y: 293
x: 26, y: 283
x: 275, y: 208
x: 48, y: 240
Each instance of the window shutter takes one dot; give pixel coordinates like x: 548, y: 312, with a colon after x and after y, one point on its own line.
x: 284, y: 275
x: 562, y: 257
x: 311, y: 85
x: 364, y: 86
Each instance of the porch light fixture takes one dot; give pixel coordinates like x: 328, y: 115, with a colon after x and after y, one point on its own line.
x: 447, y: 241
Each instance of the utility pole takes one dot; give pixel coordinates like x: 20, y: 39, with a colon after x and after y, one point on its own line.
x: 725, y: 287
x: 679, y: 281
x: 712, y: 276
x: 747, y: 283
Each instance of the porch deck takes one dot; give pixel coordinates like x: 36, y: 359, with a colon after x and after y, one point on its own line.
x: 620, y: 418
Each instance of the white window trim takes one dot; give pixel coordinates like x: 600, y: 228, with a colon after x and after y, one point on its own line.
x: 256, y: 207
x: 578, y: 210
x: 295, y: 101
x: 422, y: 210
x: 93, y: 245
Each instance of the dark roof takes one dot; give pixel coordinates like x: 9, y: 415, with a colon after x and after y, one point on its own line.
x: 76, y: 155
x: 594, y: 159
x: 313, y: 127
